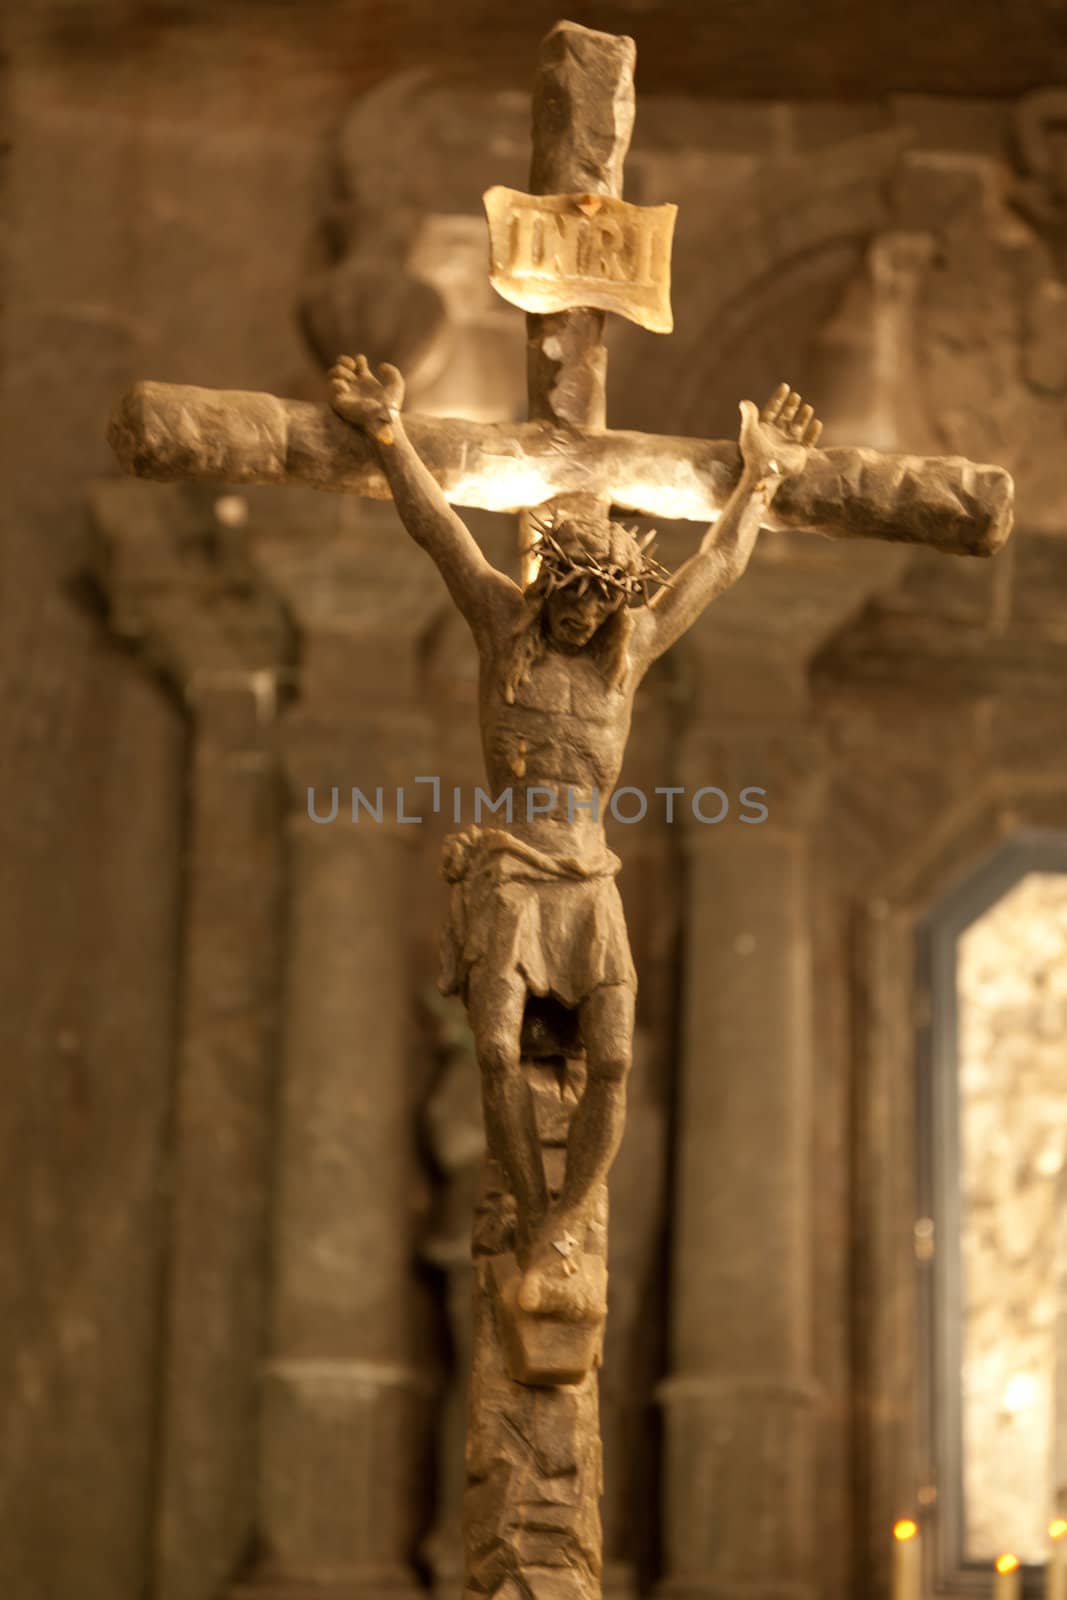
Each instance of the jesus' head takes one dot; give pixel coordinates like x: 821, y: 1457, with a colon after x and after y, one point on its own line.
x: 591, y: 570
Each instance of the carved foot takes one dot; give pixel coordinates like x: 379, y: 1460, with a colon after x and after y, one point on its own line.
x: 561, y: 1340
x: 556, y: 1282
x: 565, y: 1288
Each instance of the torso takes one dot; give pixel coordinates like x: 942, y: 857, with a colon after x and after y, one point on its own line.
x: 566, y: 731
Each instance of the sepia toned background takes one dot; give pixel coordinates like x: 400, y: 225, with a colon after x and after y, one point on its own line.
x: 238, y: 1131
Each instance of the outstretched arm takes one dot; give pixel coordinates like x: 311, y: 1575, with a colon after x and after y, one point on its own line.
x: 484, y: 595
x: 774, y: 446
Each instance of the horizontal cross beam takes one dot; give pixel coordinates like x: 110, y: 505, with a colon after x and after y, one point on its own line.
x: 166, y: 431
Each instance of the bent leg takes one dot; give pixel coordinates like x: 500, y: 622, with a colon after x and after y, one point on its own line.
x: 495, y: 1006
x: 607, y: 1019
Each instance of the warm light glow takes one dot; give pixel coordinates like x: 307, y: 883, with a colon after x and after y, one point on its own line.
x: 675, y: 499
x: 1049, y: 1162
x: 231, y: 510
x: 1057, y: 1529
x: 904, y: 1530
x: 512, y: 481
x: 1007, y: 1563
x: 1020, y: 1393
x: 510, y: 487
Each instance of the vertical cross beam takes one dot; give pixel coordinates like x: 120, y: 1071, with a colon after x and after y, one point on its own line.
x: 583, y: 117
x: 532, y: 1526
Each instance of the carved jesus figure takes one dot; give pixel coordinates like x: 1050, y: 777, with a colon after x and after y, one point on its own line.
x: 535, y: 909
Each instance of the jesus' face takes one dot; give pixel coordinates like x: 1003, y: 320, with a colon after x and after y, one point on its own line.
x: 574, y: 612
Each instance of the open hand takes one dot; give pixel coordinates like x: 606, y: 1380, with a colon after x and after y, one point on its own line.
x: 361, y: 398
x: 775, y: 441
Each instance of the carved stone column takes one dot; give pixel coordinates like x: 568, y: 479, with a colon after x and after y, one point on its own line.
x: 635, y: 1250
x: 342, y: 1396
x: 174, y: 566
x: 456, y: 1135
x: 740, y: 1401
x: 344, y: 1428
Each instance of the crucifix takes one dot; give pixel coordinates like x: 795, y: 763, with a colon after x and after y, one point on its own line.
x: 536, y: 943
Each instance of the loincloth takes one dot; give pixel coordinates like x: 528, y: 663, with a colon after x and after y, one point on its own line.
x: 557, y: 921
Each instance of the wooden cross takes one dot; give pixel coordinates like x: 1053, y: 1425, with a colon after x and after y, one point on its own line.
x: 532, y: 1519
x: 583, y: 117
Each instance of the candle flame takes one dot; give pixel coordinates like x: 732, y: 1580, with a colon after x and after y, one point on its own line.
x: 1057, y: 1529
x: 1007, y: 1563
x: 905, y: 1530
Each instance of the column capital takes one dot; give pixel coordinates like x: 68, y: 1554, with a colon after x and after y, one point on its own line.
x: 782, y: 766
x: 175, y: 568
x: 378, y: 749
x: 311, y: 1372
x: 693, y: 1388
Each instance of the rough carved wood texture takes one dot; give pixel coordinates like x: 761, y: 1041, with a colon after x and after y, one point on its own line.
x: 583, y: 117
x: 168, y: 432
x: 532, y: 1506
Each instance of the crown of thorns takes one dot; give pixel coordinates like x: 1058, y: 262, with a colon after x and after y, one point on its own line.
x: 560, y: 568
